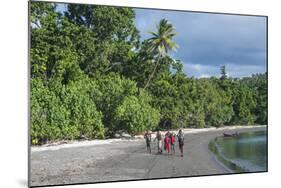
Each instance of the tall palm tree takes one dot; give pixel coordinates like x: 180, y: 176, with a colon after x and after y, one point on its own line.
x: 160, y: 44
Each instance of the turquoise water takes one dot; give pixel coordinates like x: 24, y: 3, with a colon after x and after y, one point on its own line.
x: 244, y: 153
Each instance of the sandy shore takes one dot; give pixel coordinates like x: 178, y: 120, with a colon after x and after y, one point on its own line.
x: 116, y: 159
x: 72, y: 144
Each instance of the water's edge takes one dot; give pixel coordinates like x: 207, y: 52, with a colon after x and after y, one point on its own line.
x: 225, y: 162
x: 219, y: 157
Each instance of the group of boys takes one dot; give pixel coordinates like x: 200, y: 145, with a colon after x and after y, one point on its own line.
x: 169, y: 141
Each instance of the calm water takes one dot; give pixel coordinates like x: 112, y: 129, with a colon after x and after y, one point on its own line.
x: 245, y: 153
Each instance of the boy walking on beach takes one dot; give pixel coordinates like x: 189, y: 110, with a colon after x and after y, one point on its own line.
x: 147, y: 137
x: 172, y: 139
x: 167, y: 143
x: 159, y: 141
x: 181, y: 141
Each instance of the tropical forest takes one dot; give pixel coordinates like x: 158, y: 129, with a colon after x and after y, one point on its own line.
x: 91, y: 75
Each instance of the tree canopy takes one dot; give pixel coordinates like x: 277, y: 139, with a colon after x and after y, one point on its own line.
x: 91, y: 76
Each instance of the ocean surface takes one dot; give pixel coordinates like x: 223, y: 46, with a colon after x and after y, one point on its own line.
x: 244, y: 153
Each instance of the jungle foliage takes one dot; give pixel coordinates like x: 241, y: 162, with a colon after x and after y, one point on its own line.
x: 91, y: 76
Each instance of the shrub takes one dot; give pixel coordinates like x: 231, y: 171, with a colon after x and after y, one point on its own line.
x: 135, y: 115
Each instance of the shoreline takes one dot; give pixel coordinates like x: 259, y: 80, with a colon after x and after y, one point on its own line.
x: 128, y: 160
x: 84, y: 143
x: 230, y: 164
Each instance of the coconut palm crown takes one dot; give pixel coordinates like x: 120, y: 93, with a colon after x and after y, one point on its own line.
x: 161, y: 43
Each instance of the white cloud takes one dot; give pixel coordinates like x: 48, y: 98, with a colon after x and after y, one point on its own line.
x: 232, y: 70
x: 200, y: 70
x: 208, y: 41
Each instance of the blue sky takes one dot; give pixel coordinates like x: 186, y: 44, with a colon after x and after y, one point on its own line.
x: 208, y: 41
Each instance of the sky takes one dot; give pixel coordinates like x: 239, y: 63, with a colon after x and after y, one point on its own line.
x: 208, y: 41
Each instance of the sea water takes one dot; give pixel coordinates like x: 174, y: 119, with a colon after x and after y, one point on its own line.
x: 244, y: 153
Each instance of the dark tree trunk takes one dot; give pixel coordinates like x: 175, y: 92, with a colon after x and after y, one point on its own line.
x: 151, y: 75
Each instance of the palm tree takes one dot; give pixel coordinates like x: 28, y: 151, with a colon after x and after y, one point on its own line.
x: 160, y: 44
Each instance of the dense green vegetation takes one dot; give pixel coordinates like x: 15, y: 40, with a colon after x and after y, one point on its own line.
x: 91, y: 76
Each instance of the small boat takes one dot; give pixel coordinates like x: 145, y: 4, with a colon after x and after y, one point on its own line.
x: 230, y: 135
x: 227, y: 135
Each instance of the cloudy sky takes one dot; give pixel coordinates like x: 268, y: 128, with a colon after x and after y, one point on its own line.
x: 208, y: 41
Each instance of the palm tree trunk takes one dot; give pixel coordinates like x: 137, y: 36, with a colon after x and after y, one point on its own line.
x: 151, y: 75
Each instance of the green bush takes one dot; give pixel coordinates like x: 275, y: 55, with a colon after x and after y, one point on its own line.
x: 67, y: 113
x: 110, y: 93
x: 83, y: 112
x: 135, y: 115
x: 48, y: 116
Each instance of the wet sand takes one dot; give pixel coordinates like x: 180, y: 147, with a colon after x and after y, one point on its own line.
x: 127, y: 160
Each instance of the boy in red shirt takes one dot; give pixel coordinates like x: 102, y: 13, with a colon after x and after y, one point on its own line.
x: 167, y: 143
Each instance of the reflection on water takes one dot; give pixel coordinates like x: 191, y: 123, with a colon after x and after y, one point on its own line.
x: 245, y: 153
